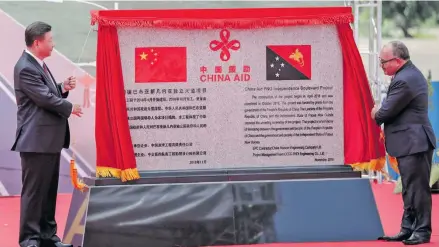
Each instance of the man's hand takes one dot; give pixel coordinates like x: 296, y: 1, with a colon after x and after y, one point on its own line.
x: 77, y: 110
x: 69, y: 83
x: 374, y: 111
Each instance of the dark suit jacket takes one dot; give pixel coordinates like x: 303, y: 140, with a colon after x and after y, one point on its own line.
x: 404, y: 114
x: 42, y: 113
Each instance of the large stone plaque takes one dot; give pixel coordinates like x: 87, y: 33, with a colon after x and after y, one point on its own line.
x: 230, y: 98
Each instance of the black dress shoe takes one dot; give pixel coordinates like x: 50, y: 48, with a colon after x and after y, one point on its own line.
x: 416, y: 239
x: 397, y: 238
x: 61, y: 244
x: 57, y: 244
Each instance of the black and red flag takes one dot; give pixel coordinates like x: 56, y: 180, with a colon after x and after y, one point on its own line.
x: 288, y: 62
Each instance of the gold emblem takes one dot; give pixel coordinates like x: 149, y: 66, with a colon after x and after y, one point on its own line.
x: 298, y: 57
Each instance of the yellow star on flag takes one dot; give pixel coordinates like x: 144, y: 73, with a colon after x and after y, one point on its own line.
x: 143, y: 56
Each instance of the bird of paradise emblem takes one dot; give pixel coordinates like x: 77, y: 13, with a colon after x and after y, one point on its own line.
x: 298, y: 57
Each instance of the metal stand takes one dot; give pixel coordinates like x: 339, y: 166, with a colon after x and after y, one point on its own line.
x: 369, y: 48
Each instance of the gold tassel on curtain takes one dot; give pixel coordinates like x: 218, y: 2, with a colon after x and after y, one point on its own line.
x: 392, y: 160
x: 124, y: 175
x: 76, y: 182
x: 376, y: 165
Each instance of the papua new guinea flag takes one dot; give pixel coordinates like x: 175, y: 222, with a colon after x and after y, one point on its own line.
x: 288, y: 62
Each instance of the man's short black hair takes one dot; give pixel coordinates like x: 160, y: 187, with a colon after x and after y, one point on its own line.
x: 36, y: 31
x: 400, y: 50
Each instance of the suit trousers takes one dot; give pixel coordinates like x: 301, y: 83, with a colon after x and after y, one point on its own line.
x: 40, y: 174
x: 415, y: 177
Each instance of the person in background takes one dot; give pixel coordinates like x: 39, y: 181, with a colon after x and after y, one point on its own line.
x: 410, y: 138
x: 42, y: 132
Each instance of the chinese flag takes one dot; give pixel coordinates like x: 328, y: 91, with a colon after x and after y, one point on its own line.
x: 288, y: 62
x: 160, y: 64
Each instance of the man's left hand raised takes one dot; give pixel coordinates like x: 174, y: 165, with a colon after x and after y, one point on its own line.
x: 69, y: 83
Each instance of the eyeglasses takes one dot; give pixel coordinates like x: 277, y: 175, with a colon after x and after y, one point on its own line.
x: 386, y: 61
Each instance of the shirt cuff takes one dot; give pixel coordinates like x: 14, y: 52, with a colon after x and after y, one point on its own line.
x: 62, y: 88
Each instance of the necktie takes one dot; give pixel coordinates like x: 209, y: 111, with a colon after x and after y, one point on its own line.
x: 46, y: 70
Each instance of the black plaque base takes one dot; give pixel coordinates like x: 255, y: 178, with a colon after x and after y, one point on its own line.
x: 213, y: 208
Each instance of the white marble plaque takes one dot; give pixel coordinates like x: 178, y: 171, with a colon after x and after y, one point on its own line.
x: 268, y: 97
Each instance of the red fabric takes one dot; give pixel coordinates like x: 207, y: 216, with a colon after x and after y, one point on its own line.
x: 222, y: 18
x: 160, y: 64
x: 114, y: 148
x: 361, y: 134
x: 113, y: 140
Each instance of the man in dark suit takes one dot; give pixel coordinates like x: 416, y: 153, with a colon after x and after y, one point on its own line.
x: 42, y: 132
x: 410, y: 138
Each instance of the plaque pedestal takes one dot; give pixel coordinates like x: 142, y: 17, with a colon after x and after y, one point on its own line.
x: 230, y: 207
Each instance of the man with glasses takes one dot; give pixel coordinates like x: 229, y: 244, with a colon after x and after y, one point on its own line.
x: 410, y: 138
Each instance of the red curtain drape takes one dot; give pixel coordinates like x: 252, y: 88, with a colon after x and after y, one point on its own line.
x: 115, y: 153
x: 114, y: 149
x: 238, y: 18
x: 362, y: 144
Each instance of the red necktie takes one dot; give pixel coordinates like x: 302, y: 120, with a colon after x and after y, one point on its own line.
x: 46, y: 70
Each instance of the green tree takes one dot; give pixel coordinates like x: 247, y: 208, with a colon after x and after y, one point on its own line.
x: 410, y: 14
